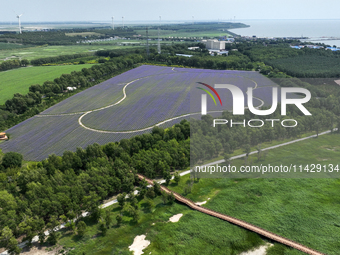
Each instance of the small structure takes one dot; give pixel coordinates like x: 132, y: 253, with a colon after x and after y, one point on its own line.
x: 193, y: 48
x: 3, y: 136
x: 332, y: 48
x: 184, y: 55
x: 218, y: 52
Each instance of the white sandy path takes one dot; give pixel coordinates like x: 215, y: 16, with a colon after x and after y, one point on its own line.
x: 139, y: 243
x: 259, y: 251
x: 176, y: 217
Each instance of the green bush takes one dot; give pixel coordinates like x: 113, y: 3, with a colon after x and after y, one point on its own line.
x: 12, y: 159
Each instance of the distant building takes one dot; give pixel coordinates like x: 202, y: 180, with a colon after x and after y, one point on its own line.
x: 214, y: 44
x: 307, y: 46
x: 218, y: 52
x: 227, y: 39
x: 332, y: 48
x: 193, y: 48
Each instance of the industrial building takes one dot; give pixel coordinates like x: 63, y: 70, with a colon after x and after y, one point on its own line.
x: 214, y: 44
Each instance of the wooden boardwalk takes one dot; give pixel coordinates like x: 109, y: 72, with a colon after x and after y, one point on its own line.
x: 238, y: 222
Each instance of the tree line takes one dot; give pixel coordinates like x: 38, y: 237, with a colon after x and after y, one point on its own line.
x: 301, y: 63
x: 42, y: 38
x: 42, y: 195
x: 12, y: 64
x: 56, y: 59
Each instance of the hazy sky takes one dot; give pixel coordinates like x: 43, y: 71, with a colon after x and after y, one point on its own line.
x: 135, y: 10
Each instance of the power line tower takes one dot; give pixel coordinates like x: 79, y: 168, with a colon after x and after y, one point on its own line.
x: 147, y: 43
x: 159, y: 44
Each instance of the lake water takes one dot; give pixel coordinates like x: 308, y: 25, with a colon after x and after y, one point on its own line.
x: 314, y: 29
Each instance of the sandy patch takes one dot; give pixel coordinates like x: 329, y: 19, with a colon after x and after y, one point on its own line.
x: 201, y: 203
x: 334, y: 148
x: 139, y: 243
x: 259, y: 251
x: 176, y: 217
x: 37, y: 249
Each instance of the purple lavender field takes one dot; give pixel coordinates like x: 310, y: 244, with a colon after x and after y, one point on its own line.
x: 153, y: 95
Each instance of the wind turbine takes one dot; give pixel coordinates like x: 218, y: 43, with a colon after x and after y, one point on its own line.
x: 113, y: 25
x: 123, y: 21
x: 18, y: 17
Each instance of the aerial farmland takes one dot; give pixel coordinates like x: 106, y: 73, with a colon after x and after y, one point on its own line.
x: 127, y: 105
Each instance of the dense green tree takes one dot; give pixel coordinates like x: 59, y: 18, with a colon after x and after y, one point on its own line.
x: 151, y: 193
x: 81, y: 228
x: 121, y: 199
x: 12, y: 159
x: 8, y: 241
x: 119, y: 219
x: 171, y: 198
x: 177, y: 178
x: 157, y: 188
x: 165, y: 197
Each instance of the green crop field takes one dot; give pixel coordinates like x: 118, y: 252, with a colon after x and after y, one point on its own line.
x: 52, y: 51
x: 19, y: 80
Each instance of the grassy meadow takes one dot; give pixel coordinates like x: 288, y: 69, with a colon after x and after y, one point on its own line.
x: 195, y: 233
x: 11, y: 46
x: 304, y: 210
x: 52, y: 51
x: 19, y: 80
